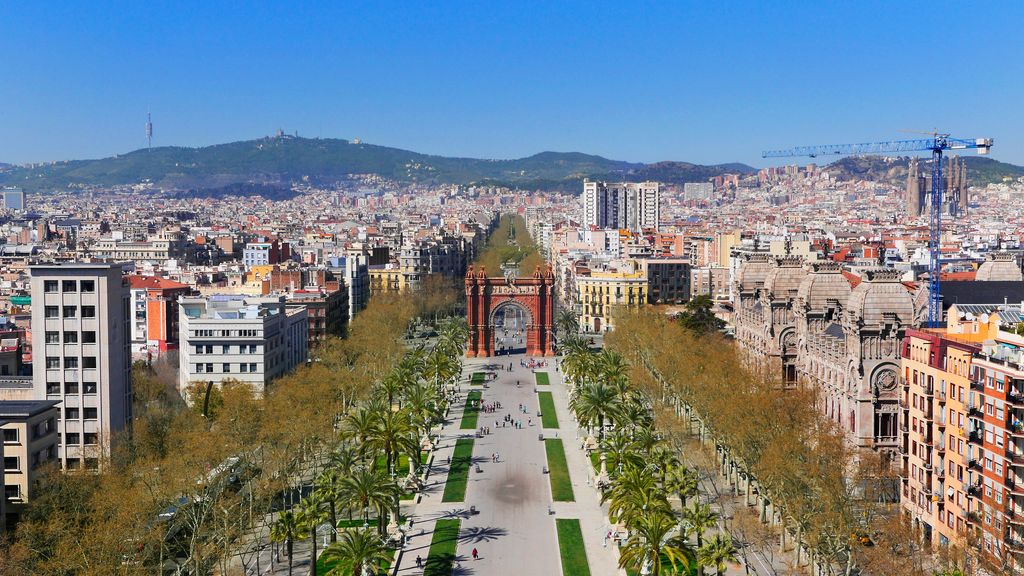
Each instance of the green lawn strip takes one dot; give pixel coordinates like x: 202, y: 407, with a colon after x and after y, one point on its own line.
x: 469, y: 415
x: 542, y: 378
x: 558, y: 471
x: 441, y: 557
x: 478, y: 378
x: 570, y: 547
x: 668, y: 570
x: 323, y: 567
x: 458, y: 472
x: 548, y: 417
x: 595, y: 459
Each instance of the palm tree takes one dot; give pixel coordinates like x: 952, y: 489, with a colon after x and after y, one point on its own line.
x: 683, y: 482
x: 613, y: 369
x: 441, y: 368
x: 329, y: 489
x: 633, y: 494
x: 368, y: 487
x: 697, y: 519
x: 358, y: 552
x: 594, y: 404
x: 620, y: 450
x: 393, y: 435
x: 650, y: 544
x: 311, y: 514
x: 717, y: 552
x: 360, y: 423
x: 567, y: 323
x: 286, y: 529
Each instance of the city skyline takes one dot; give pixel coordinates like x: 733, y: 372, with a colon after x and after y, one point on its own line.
x: 699, y: 84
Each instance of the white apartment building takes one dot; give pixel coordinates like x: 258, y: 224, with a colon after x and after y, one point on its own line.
x: 624, y: 205
x: 244, y: 338
x: 81, y: 330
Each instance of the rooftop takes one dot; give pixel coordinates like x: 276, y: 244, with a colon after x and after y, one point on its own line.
x: 25, y: 408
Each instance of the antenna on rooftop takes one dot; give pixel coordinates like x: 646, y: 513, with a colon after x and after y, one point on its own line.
x: 149, y: 130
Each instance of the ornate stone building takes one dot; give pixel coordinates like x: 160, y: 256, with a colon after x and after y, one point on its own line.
x: 809, y: 323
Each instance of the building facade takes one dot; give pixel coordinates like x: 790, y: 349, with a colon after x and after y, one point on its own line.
x: 248, y: 339
x: 602, y: 293
x: 81, y: 325
x: 624, y: 205
x: 29, y: 441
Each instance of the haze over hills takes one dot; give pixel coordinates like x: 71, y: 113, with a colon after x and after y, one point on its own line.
x: 286, y: 159
x: 893, y: 170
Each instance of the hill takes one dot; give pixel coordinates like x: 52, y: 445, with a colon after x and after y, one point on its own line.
x: 282, y: 160
x: 893, y: 170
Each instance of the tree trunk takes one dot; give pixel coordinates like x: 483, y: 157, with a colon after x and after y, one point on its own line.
x: 312, y: 540
x: 334, y: 522
x: 289, y: 544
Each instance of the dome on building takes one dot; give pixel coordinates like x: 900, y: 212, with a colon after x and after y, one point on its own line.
x: 1000, y: 266
x: 753, y: 272
x: 784, y: 277
x: 881, y: 299
x: 824, y: 287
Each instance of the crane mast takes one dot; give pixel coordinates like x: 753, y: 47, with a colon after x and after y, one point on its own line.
x: 937, y: 143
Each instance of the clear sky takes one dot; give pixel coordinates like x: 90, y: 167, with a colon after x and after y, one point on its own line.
x: 706, y: 82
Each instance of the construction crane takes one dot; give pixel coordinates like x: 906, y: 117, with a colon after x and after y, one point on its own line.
x: 937, y: 144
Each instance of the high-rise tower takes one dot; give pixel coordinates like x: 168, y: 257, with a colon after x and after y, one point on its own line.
x: 149, y: 130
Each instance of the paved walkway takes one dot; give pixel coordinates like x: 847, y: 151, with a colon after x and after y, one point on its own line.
x: 514, y: 529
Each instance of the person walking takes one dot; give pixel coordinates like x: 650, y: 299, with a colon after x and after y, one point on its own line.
x: 419, y: 561
x: 476, y: 556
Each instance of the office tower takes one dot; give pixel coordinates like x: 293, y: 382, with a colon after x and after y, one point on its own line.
x: 81, y: 333
x: 14, y: 198
x: 243, y: 338
x: 624, y: 205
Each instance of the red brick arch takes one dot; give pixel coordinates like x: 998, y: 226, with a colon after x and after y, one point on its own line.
x: 535, y: 293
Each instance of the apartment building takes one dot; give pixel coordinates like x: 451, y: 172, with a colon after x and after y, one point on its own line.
x: 602, y: 292
x: 668, y: 279
x: 243, y: 338
x: 386, y: 278
x: 81, y: 347
x: 632, y: 206
x: 326, y: 310
x: 29, y: 441
x: 155, y: 313
x: 937, y: 481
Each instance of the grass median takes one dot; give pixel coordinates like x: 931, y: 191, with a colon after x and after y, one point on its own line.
x: 458, y: 472
x: 478, y: 378
x: 472, y: 410
x: 558, y: 471
x: 548, y: 417
x: 441, y: 557
x: 542, y: 378
x: 570, y: 547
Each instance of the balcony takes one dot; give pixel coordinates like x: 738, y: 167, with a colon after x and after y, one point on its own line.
x: 1016, y: 399
x: 904, y: 405
x: 904, y: 428
x: 929, y: 392
x: 975, y: 412
x: 975, y: 437
x: 974, y: 490
x: 973, y: 517
x: 974, y: 464
x: 1014, y: 546
x: 942, y: 397
x: 903, y: 450
x: 927, y: 466
x: 1016, y: 458
x: 940, y: 447
x: 980, y: 387
x: 940, y: 474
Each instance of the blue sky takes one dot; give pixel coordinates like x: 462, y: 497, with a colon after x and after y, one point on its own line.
x: 705, y: 82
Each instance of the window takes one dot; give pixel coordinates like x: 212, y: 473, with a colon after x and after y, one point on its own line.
x: 52, y: 312
x: 89, y: 387
x: 90, y: 438
x: 252, y: 367
x: 69, y: 286
x: 71, y: 311
x: 11, y: 464
x: 49, y: 285
x: 88, y: 311
x: 53, y: 362
x: 92, y: 463
x: 52, y: 337
x: 73, y: 464
x: 199, y: 368
x: 71, y: 337
x: 71, y: 413
x: 73, y: 439
x: 10, y: 435
x: 90, y: 413
x: 209, y: 367
x: 243, y: 367
x: 70, y: 362
x: 71, y: 387
x: 12, y: 491
x: 88, y: 337
x: 88, y: 285
x: 89, y: 362
x: 225, y: 349
x: 53, y: 387
x: 226, y: 368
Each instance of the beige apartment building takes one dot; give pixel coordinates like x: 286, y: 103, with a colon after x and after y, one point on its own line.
x: 81, y: 344
x: 29, y: 441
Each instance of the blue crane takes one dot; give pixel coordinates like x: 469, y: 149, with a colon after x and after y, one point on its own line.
x: 937, y: 143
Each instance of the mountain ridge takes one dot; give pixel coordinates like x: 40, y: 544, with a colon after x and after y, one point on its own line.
x: 288, y: 159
